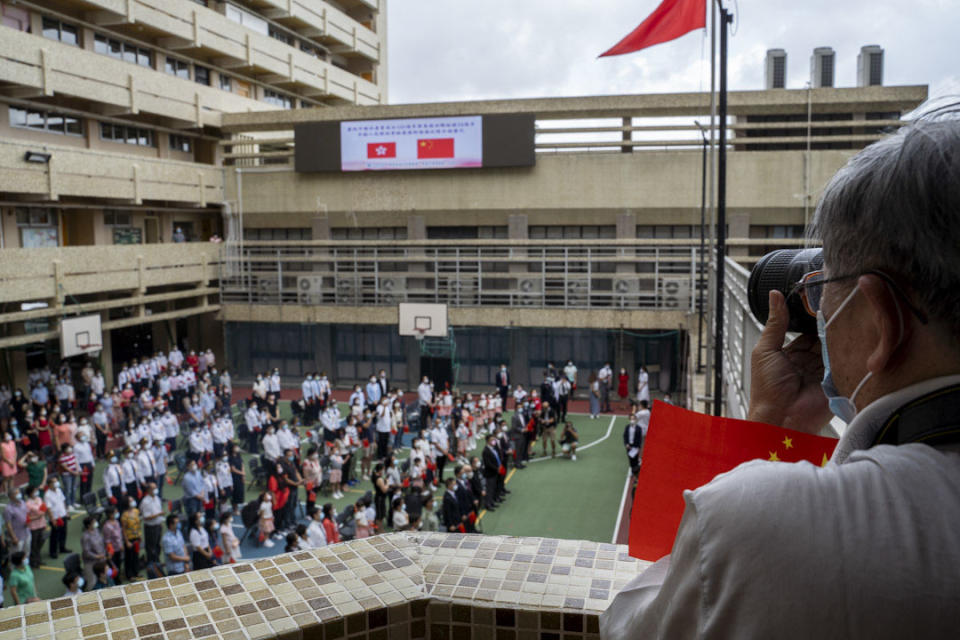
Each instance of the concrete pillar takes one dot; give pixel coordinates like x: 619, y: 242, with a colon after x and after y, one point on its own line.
x: 320, y: 227
x: 627, y: 230
x: 518, y: 228
x: 18, y: 369
x: 412, y: 348
x: 739, y: 225
x: 106, y: 353
x: 627, y: 354
x: 416, y: 228
x: 519, y: 358
x: 323, y: 352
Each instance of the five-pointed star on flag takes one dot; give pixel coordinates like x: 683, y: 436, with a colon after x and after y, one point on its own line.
x: 774, y: 457
x: 788, y: 443
x: 381, y: 150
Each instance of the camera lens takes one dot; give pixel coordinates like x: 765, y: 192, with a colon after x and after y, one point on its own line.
x: 781, y: 270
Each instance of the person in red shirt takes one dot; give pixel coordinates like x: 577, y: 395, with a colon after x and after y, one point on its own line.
x: 193, y: 361
x: 330, y: 525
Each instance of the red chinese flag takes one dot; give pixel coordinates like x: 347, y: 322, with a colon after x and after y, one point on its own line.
x: 435, y: 148
x: 381, y: 150
x: 685, y: 450
x: 669, y: 21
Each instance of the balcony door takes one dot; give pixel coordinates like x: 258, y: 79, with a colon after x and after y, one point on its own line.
x: 151, y: 229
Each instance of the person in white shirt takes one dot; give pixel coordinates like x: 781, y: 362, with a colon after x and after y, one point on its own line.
x: 84, y: 455
x: 176, y: 358
x: 157, y: 430
x: 271, y: 448
x: 146, y: 468
x: 519, y: 395
x: 643, y: 385
x: 260, y: 388
x: 331, y: 424
x: 288, y: 438
x: 113, y: 479
x: 218, y: 436
x: 604, y: 377
x: 171, y: 427
x: 441, y: 446
x: 224, y: 478
x: 425, y: 402
x: 207, y: 434
x: 57, y: 512
x: 128, y: 469
x: 274, y: 383
x: 97, y: 385
x: 159, y: 453
x: 231, y: 544
x: 316, y: 536
x: 151, y: 510
x: 195, y: 443
x: 384, y: 426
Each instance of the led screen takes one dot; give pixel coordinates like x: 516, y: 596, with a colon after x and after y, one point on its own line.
x: 411, y: 143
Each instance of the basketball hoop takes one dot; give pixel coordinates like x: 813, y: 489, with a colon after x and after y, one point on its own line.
x: 418, y: 334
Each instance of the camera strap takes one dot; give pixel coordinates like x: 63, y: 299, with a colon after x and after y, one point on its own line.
x: 932, y: 419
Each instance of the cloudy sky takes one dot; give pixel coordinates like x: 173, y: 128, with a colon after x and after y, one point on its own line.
x: 442, y: 50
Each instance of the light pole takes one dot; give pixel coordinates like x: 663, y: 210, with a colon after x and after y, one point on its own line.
x: 703, y: 231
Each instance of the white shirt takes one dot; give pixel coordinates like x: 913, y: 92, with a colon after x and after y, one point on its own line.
x: 306, y: 389
x: 275, y: 383
x: 171, y: 424
x: 176, y: 358
x: 56, y: 503
x: 271, y: 447
x: 128, y: 470
x: 439, y: 440
x: 424, y: 393
x: 83, y: 452
x: 152, y: 510
x: 199, y: 538
x: 316, y: 536
x: 384, y: 415
x: 112, y: 477
x: 145, y: 466
x: 643, y: 386
x: 604, y: 374
x: 252, y: 417
x: 159, y: 454
x: 287, y: 440
x: 224, y: 477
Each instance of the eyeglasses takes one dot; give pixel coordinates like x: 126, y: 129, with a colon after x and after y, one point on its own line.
x: 810, y: 290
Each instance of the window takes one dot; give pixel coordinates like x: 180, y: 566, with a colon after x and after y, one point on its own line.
x: 36, y: 217
x: 127, y: 135
x: 201, y: 75
x: 178, y: 68
x: 61, y: 31
x: 242, y: 88
x: 278, y: 99
x: 313, y: 50
x: 667, y: 231
x: 16, y: 18
x: 572, y: 232
x: 247, y: 19
x: 47, y: 121
x: 117, y: 218
x: 226, y: 82
x: 293, y: 233
x: 369, y: 233
x: 181, y: 143
x: 122, y: 51
x: 282, y: 36
x: 38, y: 227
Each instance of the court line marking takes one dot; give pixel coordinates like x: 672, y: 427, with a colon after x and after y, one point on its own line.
x: 623, y: 500
x: 613, y: 419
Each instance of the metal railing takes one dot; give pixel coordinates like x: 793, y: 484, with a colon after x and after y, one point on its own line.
x: 740, y: 334
x: 585, y: 274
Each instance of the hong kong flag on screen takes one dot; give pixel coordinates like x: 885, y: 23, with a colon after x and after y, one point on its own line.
x: 435, y: 148
x: 381, y: 150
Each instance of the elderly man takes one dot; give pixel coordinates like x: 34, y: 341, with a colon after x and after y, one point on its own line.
x: 864, y: 547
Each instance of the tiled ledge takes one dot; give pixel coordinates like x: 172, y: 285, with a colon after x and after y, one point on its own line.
x: 398, y: 586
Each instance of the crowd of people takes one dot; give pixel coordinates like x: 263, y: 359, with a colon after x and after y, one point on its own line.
x: 434, y: 461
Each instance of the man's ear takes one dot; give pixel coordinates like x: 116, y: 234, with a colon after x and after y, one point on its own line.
x: 892, y: 324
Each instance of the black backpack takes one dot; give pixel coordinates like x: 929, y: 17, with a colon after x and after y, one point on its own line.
x: 250, y: 513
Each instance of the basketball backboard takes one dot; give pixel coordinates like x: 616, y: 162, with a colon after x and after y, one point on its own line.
x: 80, y: 335
x: 423, y: 320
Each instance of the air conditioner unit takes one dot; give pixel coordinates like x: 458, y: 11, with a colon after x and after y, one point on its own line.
x: 675, y: 293
x: 310, y: 289
x: 392, y: 289
x: 577, y: 291
x: 625, y: 286
x: 530, y: 291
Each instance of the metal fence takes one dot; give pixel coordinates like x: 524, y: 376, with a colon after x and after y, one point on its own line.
x: 585, y: 274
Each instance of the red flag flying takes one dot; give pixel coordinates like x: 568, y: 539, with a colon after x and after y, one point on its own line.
x: 381, y: 150
x: 685, y: 450
x: 669, y: 21
x: 435, y: 148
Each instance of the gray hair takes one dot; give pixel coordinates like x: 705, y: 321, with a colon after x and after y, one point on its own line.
x: 895, y: 207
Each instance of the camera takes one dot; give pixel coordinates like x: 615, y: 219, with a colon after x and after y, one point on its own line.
x: 781, y: 270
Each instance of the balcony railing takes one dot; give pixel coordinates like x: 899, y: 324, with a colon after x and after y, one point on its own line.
x: 740, y: 334
x: 611, y: 274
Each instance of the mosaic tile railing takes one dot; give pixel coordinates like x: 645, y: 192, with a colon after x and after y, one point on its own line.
x: 397, y: 586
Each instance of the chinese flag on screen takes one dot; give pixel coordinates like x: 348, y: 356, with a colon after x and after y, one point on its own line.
x: 435, y: 148
x: 381, y: 150
x: 685, y: 450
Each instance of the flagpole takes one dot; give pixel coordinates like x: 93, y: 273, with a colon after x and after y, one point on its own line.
x: 725, y: 18
x: 708, y: 372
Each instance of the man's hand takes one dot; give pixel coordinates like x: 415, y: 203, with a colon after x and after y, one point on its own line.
x: 785, y: 381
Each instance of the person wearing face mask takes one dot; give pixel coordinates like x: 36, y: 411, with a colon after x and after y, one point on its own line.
x: 229, y: 541
x: 867, y: 542
x: 83, y: 452
x: 92, y: 548
x: 74, y: 584
x: 316, y: 534
x: 8, y: 461
x: 130, y: 523
x: 271, y: 448
x: 174, y: 547
x: 15, y: 523
x: 373, y: 393
x: 330, y: 524
x: 69, y: 471
x: 194, y: 494
x: 56, y: 504
x: 151, y: 509
x: 23, y: 587
x: 289, y: 478
x: 128, y: 470
x: 200, y: 541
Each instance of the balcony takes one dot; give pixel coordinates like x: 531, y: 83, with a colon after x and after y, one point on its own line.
x: 399, y: 586
x: 155, y: 282
x: 38, y: 67
x: 80, y: 172
x: 209, y: 34
x: 588, y: 274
